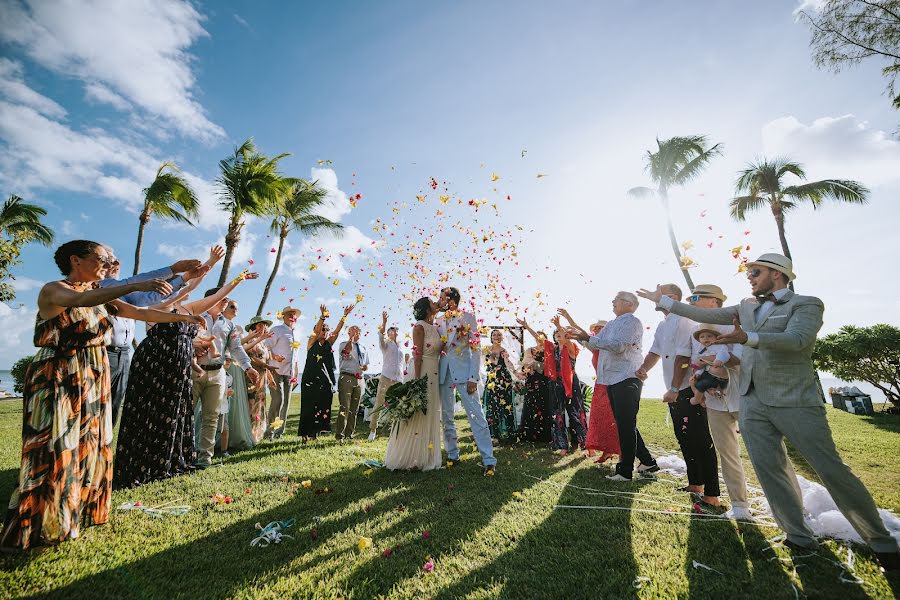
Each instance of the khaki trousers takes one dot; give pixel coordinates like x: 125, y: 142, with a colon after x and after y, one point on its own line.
x: 806, y: 428
x: 723, y: 427
x: 209, y: 389
x: 349, y: 393
x: 383, y: 384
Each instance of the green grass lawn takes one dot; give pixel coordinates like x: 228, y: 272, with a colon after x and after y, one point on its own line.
x: 484, y: 541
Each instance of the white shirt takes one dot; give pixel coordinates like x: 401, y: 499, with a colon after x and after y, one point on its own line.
x: 621, y: 342
x: 673, y: 338
x: 227, y: 339
x: 282, y: 344
x: 392, y: 358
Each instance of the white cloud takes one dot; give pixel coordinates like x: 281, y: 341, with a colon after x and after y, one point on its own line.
x: 137, y: 50
x: 211, y: 216
x: 16, y: 331
x: 337, y: 204
x: 200, y: 250
x: 809, y: 5
x: 835, y: 147
x: 25, y: 284
x: 101, y: 93
x: 241, y: 20
x: 69, y: 228
x: 13, y: 87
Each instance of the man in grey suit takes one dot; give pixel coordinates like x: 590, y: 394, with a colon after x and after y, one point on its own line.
x: 780, y: 399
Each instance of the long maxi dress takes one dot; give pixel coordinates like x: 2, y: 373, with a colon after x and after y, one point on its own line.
x: 416, y: 443
x: 602, y: 433
x: 537, y: 414
x: 240, y: 432
x: 317, y: 390
x: 565, y: 395
x: 498, y: 399
x: 156, y: 437
x: 256, y: 395
x: 65, y: 473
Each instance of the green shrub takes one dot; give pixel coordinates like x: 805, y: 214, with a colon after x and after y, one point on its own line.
x: 18, y: 373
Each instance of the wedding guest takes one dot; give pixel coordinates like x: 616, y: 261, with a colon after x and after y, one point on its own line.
x: 672, y: 344
x: 564, y: 391
x: 284, y: 373
x: 318, y: 382
x: 498, y: 391
x: 392, y: 367
x: 620, y: 340
x: 157, y: 436
x: 262, y: 359
x: 209, y: 388
x: 537, y: 414
x: 120, y: 349
x: 65, y: 473
x: 709, y: 372
x: 354, y: 362
x: 780, y: 399
x: 602, y: 434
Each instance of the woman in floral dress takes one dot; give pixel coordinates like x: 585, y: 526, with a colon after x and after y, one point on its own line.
x: 65, y: 475
x: 260, y: 355
x: 498, y: 391
x: 564, y: 390
x: 537, y: 414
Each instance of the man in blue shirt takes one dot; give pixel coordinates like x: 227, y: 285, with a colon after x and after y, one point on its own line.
x: 121, y: 347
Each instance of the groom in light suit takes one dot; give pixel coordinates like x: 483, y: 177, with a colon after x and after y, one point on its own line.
x: 460, y: 369
x: 780, y: 399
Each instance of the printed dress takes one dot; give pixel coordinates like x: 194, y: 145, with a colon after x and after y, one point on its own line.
x: 537, y: 413
x: 498, y: 399
x: 602, y: 433
x: 65, y: 477
x: 156, y: 438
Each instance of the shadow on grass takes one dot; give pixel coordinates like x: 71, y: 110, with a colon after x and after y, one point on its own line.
x: 591, y: 558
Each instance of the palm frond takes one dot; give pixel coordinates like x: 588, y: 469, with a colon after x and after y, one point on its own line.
x: 742, y: 205
x: 19, y: 218
x: 641, y: 193
x: 839, y: 190
x: 696, y: 164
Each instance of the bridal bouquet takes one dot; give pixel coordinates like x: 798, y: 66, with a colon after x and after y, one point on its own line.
x: 402, y: 400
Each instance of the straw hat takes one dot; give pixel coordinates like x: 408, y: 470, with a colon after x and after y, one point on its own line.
x: 707, y: 289
x: 778, y: 262
x: 289, y: 309
x: 257, y: 320
x: 704, y: 327
x: 599, y: 324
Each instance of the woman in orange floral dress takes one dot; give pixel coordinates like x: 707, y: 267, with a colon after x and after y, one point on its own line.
x: 65, y: 478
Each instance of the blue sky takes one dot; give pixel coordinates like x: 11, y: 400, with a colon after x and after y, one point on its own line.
x: 93, y: 98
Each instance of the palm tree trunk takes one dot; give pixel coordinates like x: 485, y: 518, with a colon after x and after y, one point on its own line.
x: 144, y: 219
x: 663, y: 194
x: 779, y: 222
x: 231, y: 241
x: 265, y: 296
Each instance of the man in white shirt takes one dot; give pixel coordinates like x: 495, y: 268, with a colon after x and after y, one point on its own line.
x: 621, y: 341
x: 354, y: 361
x: 285, y: 373
x: 392, y: 367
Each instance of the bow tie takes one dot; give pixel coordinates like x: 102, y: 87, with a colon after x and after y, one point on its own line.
x: 768, y: 298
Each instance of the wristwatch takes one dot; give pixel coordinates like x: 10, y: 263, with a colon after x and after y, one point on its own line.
x: 674, y: 389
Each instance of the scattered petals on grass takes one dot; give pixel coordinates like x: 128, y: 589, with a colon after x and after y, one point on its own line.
x: 364, y: 543
x: 518, y: 495
x: 426, y: 534
x: 428, y: 567
x: 306, y: 483
x: 387, y: 553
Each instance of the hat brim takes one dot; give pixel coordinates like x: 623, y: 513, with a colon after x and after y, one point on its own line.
x: 255, y: 323
x: 705, y: 330
x: 290, y: 310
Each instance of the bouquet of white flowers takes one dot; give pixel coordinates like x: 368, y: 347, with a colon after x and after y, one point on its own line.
x: 402, y: 400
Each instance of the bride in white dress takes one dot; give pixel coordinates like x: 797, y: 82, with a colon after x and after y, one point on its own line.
x: 416, y: 443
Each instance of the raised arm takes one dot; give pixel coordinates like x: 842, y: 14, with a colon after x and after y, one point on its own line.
x: 201, y: 306
x: 150, y: 315
x: 524, y: 324
x: 333, y: 336
x: 55, y: 296
x: 717, y: 316
x: 382, y: 343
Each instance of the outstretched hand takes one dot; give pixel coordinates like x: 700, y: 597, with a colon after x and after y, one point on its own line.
x: 653, y: 296
x: 216, y: 253
x: 184, y: 265
x: 738, y: 336
x: 154, y: 285
x: 198, y: 272
x: 574, y: 333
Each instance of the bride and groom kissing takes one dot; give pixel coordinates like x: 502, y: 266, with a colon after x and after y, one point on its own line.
x: 446, y: 349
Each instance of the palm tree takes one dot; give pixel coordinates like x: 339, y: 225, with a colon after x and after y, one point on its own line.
x: 676, y: 161
x: 249, y: 185
x: 168, y: 193
x: 22, y: 221
x: 761, y: 184
x: 296, y: 212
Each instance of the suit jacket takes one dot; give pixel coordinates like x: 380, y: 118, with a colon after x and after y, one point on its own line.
x: 780, y: 369
x: 461, y: 360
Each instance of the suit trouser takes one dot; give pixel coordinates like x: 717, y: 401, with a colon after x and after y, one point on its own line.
x: 119, y: 366
x: 625, y: 401
x: 764, y: 429
x: 281, y: 401
x: 349, y: 393
x: 723, y: 427
x: 208, y: 391
x: 692, y: 433
x: 383, y: 384
x: 474, y: 411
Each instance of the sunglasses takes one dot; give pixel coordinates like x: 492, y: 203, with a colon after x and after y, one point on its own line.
x: 104, y: 260
x: 696, y: 297
x: 754, y: 273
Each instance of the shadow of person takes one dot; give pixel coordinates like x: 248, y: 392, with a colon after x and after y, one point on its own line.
x: 593, y: 557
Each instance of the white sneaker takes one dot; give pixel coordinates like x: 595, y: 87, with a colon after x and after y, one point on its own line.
x: 617, y: 477
x: 372, y: 437
x: 739, y: 513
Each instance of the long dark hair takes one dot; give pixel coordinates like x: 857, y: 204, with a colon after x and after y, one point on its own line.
x: 79, y: 248
x: 422, y: 308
